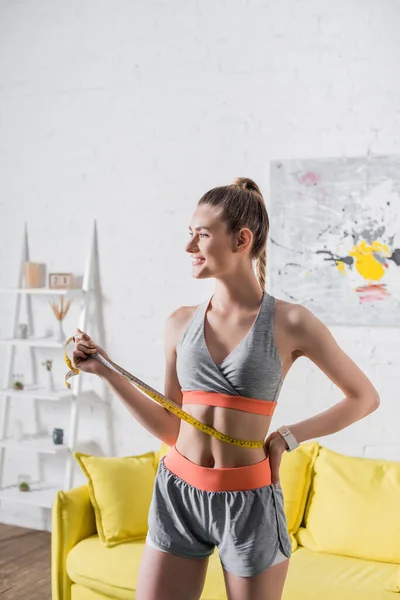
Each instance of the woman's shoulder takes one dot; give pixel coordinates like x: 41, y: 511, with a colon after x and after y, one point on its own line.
x: 178, y: 321
x: 182, y: 314
x: 289, y: 314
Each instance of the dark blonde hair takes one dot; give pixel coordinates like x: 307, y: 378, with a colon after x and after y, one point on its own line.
x: 242, y: 204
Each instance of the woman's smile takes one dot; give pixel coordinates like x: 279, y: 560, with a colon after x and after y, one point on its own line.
x: 197, y: 261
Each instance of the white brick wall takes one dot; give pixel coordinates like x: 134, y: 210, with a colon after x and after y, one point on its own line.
x: 130, y: 111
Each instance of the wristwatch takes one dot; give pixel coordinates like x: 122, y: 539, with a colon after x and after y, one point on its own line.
x: 288, y: 437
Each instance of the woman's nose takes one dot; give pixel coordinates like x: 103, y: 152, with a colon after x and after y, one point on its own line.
x: 190, y: 246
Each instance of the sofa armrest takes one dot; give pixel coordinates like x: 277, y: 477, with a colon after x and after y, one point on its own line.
x: 73, y: 520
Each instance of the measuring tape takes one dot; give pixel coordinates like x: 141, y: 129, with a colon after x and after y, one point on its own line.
x: 160, y: 399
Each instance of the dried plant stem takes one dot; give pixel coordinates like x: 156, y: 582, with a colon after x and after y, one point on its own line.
x: 60, y: 310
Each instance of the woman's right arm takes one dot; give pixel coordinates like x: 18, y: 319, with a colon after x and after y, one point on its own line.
x: 155, y: 418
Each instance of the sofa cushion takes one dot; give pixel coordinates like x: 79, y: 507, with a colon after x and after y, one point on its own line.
x: 120, y: 490
x: 114, y: 571
x: 295, y: 474
x: 393, y: 583
x: 110, y: 571
x: 78, y: 592
x: 353, y: 508
x: 315, y: 575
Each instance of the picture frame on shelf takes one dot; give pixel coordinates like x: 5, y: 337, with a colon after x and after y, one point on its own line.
x: 58, y: 281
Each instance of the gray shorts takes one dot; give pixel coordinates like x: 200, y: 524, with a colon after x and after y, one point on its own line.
x: 248, y: 526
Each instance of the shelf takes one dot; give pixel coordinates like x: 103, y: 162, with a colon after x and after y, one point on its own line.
x: 61, y: 395
x: 39, y: 342
x: 40, y: 393
x: 42, y: 494
x: 42, y: 444
x: 45, y: 291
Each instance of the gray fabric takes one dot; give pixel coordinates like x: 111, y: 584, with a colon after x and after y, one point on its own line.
x: 248, y: 527
x: 252, y: 370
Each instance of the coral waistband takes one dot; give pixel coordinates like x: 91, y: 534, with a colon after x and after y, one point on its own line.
x: 251, y: 405
x: 224, y: 479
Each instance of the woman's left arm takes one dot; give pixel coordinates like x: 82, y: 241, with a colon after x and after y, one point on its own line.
x: 315, y: 341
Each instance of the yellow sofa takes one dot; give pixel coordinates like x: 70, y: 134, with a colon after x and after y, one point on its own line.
x: 343, y: 516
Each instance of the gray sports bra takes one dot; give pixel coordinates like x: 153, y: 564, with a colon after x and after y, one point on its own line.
x: 249, y: 378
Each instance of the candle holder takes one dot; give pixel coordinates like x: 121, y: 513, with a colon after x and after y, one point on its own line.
x: 58, y: 436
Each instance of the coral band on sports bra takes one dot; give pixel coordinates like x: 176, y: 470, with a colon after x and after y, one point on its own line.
x: 258, y: 406
x: 248, y: 379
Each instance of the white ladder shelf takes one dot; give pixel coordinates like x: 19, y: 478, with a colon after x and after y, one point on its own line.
x: 42, y: 493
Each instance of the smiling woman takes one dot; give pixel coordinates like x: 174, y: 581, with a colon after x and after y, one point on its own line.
x: 224, y: 367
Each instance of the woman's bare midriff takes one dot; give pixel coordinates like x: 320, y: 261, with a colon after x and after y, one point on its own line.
x: 208, y: 451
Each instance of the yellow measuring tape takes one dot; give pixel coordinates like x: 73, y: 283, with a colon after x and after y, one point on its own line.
x: 154, y: 395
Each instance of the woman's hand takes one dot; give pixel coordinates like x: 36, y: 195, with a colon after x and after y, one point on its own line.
x: 81, y: 355
x: 274, y: 447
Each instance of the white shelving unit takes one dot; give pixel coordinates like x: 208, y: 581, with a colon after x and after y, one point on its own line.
x: 41, y: 492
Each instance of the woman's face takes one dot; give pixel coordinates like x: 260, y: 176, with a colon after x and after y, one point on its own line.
x: 210, y: 243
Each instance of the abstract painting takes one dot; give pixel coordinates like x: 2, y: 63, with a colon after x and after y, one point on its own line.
x: 335, y: 237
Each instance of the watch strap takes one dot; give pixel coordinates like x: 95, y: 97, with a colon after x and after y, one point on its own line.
x: 288, y: 437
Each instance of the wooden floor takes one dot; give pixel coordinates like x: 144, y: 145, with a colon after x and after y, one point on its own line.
x: 24, y: 564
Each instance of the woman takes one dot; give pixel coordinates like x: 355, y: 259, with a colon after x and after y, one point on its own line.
x: 226, y: 360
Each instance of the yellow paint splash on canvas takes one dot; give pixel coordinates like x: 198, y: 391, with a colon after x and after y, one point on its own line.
x: 365, y: 261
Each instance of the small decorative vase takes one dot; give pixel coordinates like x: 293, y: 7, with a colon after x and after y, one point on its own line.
x: 50, y: 381
x: 23, y: 331
x: 61, y: 334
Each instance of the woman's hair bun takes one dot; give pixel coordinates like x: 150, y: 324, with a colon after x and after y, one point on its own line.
x: 247, y: 184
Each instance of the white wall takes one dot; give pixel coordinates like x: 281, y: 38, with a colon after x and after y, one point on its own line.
x: 128, y: 112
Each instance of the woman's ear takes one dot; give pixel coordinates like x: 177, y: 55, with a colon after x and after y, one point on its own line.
x: 244, y: 239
